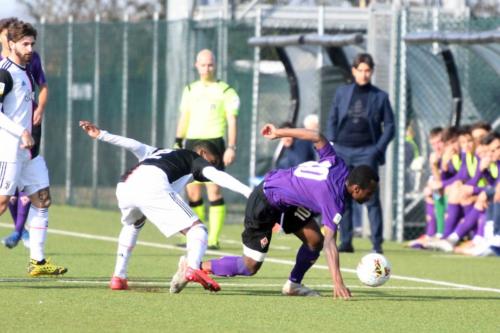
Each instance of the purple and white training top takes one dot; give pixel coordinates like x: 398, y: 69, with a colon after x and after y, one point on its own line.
x: 316, y: 185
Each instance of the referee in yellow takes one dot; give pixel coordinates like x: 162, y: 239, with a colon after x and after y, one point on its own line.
x: 209, y: 107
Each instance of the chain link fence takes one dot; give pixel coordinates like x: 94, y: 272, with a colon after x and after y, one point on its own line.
x: 433, y: 93
x: 128, y: 77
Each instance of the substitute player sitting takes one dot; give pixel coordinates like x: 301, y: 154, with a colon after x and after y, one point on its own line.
x: 290, y: 196
x: 151, y: 190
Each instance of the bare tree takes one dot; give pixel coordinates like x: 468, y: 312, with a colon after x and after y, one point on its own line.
x: 85, y: 10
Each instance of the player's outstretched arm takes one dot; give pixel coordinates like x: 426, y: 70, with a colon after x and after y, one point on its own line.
x: 140, y: 150
x: 92, y: 130
x: 270, y: 131
x: 224, y: 179
x: 332, y: 259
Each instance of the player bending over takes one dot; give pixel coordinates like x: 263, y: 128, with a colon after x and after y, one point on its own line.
x: 151, y: 190
x: 290, y: 196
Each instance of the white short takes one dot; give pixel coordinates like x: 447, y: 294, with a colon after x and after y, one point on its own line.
x: 29, y: 176
x: 147, y: 192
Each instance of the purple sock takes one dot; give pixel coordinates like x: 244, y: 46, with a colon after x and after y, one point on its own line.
x: 481, y: 223
x: 453, y: 213
x: 467, y: 209
x: 304, y: 260
x: 430, y: 216
x: 23, y: 208
x: 470, y: 221
x: 229, y: 266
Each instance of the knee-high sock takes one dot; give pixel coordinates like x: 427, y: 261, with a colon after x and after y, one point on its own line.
x: 23, y: 208
x: 126, y: 243
x: 216, y: 218
x: 430, y: 216
x: 199, y: 208
x: 304, y: 260
x: 453, y: 215
x: 196, y: 245
x: 440, y: 204
x: 481, y: 224
x: 38, y: 219
x: 470, y: 221
x: 229, y: 266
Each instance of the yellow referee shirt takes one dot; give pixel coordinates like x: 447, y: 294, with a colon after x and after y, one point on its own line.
x: 206, y: 104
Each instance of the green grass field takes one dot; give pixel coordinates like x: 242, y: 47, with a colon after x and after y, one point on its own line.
x: 429, y: 292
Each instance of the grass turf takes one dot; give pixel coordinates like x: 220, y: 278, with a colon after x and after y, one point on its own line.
x: 81, y: 300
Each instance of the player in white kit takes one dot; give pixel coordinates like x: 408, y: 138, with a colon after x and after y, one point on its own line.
x: 151, y: 190
x: 20, y: 166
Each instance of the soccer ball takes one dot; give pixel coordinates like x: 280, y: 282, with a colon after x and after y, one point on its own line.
x: 374, y: 270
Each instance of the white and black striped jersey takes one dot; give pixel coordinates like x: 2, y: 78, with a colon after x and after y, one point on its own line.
x: 16, y: 103
x: 181, y: 166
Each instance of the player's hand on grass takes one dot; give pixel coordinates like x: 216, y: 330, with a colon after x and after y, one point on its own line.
x: 92, y: 130
x: 27, y: 141
x: 341, y: 291
x: 269, y: 131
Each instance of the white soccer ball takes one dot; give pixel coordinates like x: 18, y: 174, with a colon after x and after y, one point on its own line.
x: 374, y: 270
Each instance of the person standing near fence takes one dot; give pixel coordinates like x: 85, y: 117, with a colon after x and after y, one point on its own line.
x: 209, y: 107
x: 20, y: 165
x: 361, y: 124
x: 19, y: 203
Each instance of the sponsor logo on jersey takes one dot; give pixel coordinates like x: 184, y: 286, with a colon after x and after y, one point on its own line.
x: 263, y: 242
x: 337, y: 218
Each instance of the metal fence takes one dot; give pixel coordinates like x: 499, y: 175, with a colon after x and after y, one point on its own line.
x: 438, y: 82
x: 128, y: 77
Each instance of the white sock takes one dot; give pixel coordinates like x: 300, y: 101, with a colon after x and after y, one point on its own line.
x: 453, y: 238
x: 38, y: 220
x: 196, y: 245
x: 126, y: 243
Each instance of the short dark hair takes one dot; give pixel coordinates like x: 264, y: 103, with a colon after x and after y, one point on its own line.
x: 206, y: 145
x: 481, y: 125
x: 362, y: 176
x: 450, y: 133
x: 436, y: 131
x: 489, y: 138
x: 464, y: 130
x: 6, y: 22
x: 363, y: 58
x: 19, y: 29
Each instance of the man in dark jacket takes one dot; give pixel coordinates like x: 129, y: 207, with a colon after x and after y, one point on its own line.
x: 361, y: 124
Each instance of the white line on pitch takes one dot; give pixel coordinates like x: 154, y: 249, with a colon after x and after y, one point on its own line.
x: 223, y: 284
x: 273, y: 260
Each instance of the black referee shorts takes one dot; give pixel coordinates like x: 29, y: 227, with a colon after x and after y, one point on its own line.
x: 260, y: 217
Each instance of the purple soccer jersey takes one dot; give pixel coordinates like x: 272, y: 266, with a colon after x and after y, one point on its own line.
x: 35, y: 68
x: 316, y: 185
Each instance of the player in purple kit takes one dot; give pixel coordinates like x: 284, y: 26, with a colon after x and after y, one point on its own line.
x: 19, y: 203
x: 291, y: 196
